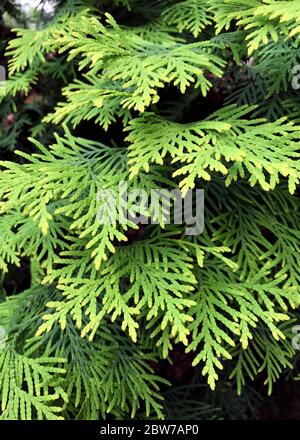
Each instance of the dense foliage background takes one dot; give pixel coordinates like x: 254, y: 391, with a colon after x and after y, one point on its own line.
x: 133, y: 321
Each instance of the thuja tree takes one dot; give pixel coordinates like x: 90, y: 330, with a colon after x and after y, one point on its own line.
x: 160, y: 95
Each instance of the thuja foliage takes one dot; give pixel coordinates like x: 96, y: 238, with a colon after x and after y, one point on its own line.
x: 159, y: 94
